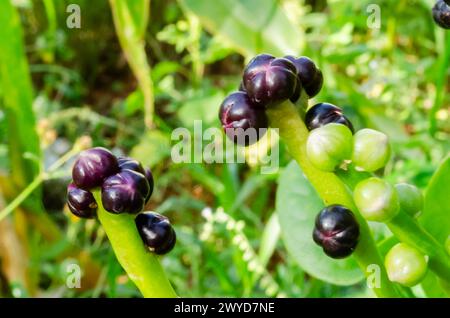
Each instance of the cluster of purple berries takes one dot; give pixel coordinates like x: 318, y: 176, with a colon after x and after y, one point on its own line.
x: 267, y: 81
x: 125, y: 188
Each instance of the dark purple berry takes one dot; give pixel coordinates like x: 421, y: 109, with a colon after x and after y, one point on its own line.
x: 241, y: 87
x: 441, y: 13
x: 130, y: 164
x: 325, y: 113
x: 309, y: 75
x: 92, y: 167
x: 269, y: 80
x: 156, y: 232
x: 337, y: 231
x: 151, y: 182
x: 81, y: 202
x: 125, y: 191
x: 242, y: 122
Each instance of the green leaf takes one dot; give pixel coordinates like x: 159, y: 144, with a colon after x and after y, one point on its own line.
x: 297, y: 205
x: 269, y: 239
x: 23, y: 142
x: 250, y: 26
x: 435, y: 217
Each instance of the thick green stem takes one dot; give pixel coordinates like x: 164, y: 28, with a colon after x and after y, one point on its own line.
x: 331, y: 189
x: 409, y: 231
x: 142, y: 266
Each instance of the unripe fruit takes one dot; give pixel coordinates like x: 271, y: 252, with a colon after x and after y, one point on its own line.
x: 410, y: 199
x: 156, y: 232
x: 308, y: 74
x: 405, y: 265
x: 441, y: 14
x: 325, y: 113
x: 125, y: 191
x: 242, y: 122
x: 376, y: 200
x: 371, y: 150
x: 81, y: 202
x: 92, y: 167
x: 328, y: 146
x: 269, y: 80
x: 337, y: 231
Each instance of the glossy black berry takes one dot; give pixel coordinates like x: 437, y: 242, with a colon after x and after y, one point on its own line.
x: 81, y: 202
x: 241, y: 120
x: 309, y: 75
x: 151, y: 182
x: 441, y: 13
x: 133, y: 164
x: 125, y: 191
x: 156, y: 232
x: 269, y: 80
x: 92, y: 167
x: 325, y: 113
x: 337, y: 231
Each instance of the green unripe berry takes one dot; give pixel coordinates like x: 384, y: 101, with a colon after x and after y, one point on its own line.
x: 410, y: 198
x: 405, y: 265
x: 328, y: 146
x: 371, y: 150
x: 376, y: 199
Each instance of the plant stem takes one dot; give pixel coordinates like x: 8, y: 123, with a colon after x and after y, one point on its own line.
x: 142, y: 266
x: 409, y: 231
x: 331, y: 189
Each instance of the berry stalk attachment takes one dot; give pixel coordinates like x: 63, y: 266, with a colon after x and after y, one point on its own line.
x: 142, y: 266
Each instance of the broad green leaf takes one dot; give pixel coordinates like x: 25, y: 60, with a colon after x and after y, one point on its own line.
x: 436, y: 214
x: 203, y: 107
x: 23, y: 143
x: 297, y: 205
x: 250, y: 26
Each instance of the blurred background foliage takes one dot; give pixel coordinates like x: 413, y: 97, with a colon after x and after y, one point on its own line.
x: 136, y: 70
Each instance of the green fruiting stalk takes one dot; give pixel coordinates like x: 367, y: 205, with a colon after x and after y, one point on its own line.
x: 406, y: 228
x: 331, y: 189
x: 142, y: 266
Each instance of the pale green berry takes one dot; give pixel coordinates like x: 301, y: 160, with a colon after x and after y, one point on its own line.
x: 371, y: 150
x: 329, y: 146
x: 376, y: 199
x: 405, y: 265
x: 410, y: 198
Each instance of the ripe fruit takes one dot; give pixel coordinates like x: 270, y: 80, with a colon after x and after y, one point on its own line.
x: 337, y: 231
x: 325, y: 113
x: 131, y: 164
x: 376, y: 199
x: 309, y: 75
x: 410, y: 198
x: 92, y: 167
x: 81, y: 202
x: 125, y: 191
x: 241, y: 120
x: 156, y: 232
x: 405, y: 265
x: 328, y: 146
x: 151, y: 182
x: 441, y: 13
x: 269, y: 80
x: 371, y: 150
